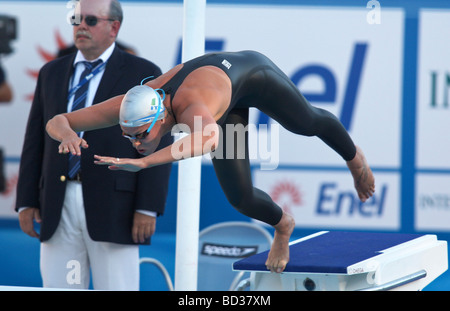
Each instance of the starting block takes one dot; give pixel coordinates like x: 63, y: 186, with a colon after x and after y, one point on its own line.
x: 349, y: 261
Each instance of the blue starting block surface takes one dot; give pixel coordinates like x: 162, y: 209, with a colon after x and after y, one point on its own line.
x: 330, y: 252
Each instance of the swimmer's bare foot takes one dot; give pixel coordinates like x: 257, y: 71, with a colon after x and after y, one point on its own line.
x: 279, y: 252
x: 362, y: 175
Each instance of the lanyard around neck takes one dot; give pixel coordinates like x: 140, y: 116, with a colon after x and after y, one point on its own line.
x: 86, y: 79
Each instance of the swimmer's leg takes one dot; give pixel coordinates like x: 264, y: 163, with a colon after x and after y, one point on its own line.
x: 362, y: 175
x: 279, y: 252
x: 283, y: 102
x: 234, y: 176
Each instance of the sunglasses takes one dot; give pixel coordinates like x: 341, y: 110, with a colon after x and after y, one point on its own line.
x: 90, y: 20
x: 137, y: 136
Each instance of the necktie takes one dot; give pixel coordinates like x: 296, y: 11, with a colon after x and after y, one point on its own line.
x: 79, y: 102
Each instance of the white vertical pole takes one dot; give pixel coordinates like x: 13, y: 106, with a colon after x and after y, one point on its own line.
x: 188, y: 203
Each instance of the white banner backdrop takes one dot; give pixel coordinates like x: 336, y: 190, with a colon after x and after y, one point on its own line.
x: 432, y: 206
x: 319, y: 199
x: 433, y: 105
x: 339, y: 61
x: 432, y: 197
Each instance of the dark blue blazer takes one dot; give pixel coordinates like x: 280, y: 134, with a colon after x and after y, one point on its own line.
x: 110, y: 197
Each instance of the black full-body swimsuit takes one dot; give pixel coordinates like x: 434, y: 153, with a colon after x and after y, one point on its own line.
x: 258, y: 82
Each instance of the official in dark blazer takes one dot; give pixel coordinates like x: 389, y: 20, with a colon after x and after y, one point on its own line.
x: 108, y: 195
x: 111, y: 198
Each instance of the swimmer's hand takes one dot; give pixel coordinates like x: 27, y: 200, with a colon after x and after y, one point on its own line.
x: 73, y: 144
x: 124, y: 164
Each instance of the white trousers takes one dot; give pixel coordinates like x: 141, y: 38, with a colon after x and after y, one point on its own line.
x: 70, y: 255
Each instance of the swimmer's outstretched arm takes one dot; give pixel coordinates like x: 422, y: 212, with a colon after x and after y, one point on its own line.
x: 203, y: 139
x: 192, y: 145
x: 64, y: 127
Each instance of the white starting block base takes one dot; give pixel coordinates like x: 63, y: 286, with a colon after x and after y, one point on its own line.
x: 338, y: 261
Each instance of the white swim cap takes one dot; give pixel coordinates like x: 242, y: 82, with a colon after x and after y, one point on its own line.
x: 141, y: 105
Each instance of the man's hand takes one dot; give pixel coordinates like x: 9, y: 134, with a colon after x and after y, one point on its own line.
x: 143, y: 227
x: 26, y: 218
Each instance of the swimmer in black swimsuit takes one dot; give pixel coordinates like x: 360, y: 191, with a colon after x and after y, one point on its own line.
x: 216, y: 89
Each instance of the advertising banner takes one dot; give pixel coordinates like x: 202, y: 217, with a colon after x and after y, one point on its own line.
x: 432, y: 197
x: 339, y: 60
x: 319, y: 199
